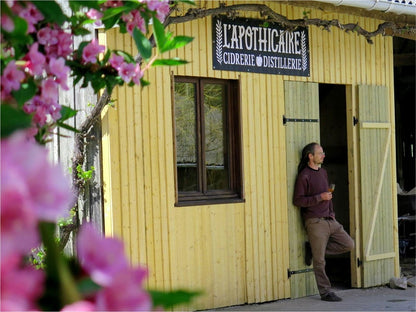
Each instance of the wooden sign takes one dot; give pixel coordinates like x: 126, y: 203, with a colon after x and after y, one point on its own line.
x: 250, y: 45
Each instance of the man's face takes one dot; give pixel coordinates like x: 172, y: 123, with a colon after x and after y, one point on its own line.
x: 318, y: 157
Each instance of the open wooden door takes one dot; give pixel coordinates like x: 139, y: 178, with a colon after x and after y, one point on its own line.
x: 301, y: 120
x: 377, y: 193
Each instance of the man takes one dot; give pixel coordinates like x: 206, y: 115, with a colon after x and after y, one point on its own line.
x: 326, y: 235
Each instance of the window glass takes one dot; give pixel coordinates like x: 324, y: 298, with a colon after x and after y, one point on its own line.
x: 215, y: 149
x: 186, y: 156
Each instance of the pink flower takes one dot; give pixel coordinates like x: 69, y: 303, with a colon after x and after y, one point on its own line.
x: 116, y: 61
x: 64, y: 45
x: 36, y: 60
x: 20, y: 286
x: 19, y: 226
x: 103, y: 258
x: 134, y: 19
x: 138, y: 74
x: 95, y: 15
x: 58, y: 68
x: 113, y: 3
x: 81, y: 306
x: 47, y: 36
x: 153, y: 4
x: 126, y: 71
x: 91, y: 51
x: 50, y: 90
x: 48, y: 190
x: 125, y: 293
x: 32, y: 16
x: 163, y: 11
x: 7, y: 23
x: 12, y: 76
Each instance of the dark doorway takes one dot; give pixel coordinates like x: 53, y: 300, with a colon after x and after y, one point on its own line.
x: 333, y: 132
x: 404, y: 103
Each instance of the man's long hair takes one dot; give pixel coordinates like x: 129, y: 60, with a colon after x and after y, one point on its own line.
x: 308, y: 149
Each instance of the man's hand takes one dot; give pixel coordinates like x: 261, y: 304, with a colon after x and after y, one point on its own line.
x: 326, y: 196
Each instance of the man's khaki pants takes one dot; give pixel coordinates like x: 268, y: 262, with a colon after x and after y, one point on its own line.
x: 327, y: 237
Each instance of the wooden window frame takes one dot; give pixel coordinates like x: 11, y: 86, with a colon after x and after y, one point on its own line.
x: 233, y: 143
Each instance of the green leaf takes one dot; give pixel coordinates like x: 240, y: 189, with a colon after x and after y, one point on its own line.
x: 66, y: 113
x: 20, y: 27
x: 177, y: 42
x: 81, y: 31
x: 25, y: 93
x: 87, y: 287
x: 159, y: 32
x: 51, y: 11
x: 13, y: 119
x: 111, y: 16
x: 67, y: 127
x: 192, y: 2
x: 169, y: 62
x: 142, y: 43
x: 127, y: 57
x: 81, y: 47
x: 77, y: 5
x: 170, y: 299
x: 144, y: 83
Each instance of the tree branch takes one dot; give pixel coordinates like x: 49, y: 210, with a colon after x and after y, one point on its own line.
x: 386, y: 28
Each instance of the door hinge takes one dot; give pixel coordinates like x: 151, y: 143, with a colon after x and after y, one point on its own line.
x: 354, y: 120
x: 359, y: 262
x: 286, y: 120
x: 290, y: 273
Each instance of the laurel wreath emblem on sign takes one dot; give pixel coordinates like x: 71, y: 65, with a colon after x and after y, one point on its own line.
x: 304, y: 52
x: 218, y: 50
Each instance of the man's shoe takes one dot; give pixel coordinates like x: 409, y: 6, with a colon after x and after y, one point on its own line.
x: 308, y: 254
x: 331, y: 297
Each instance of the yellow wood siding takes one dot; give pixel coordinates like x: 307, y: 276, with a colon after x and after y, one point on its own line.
x: 234, y: 253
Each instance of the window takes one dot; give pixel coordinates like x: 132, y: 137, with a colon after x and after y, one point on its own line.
x: 207, y: 141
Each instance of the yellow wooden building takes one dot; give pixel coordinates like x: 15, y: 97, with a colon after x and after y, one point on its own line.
x: 218, y: 216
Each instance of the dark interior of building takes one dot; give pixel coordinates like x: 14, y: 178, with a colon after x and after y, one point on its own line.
x: 333, y: 134
x: 405, y: 102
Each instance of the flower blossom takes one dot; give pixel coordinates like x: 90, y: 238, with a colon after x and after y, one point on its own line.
x: 20, y: 286
x: 160, y: 6
x: 35, y: 60
x: 64, y: 45
x: 101, y: 257
x: 91, y: 50
x: 29, y: 13
x: 138, y: 74
x: 47, y: 36
x: 134, y: 19
x: 104, y: 260
x: 125, y: 293
x: 11, y: 78
x: 7, y: 23
x: 95, y: 15
x: 50, y: 89
x: 58, y: 68
x: 43, y: 186
x: 81, y: 306
x: 113, y: 3
x: 19, y: 226
x: 126, y: 71
x: 116, y: 61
